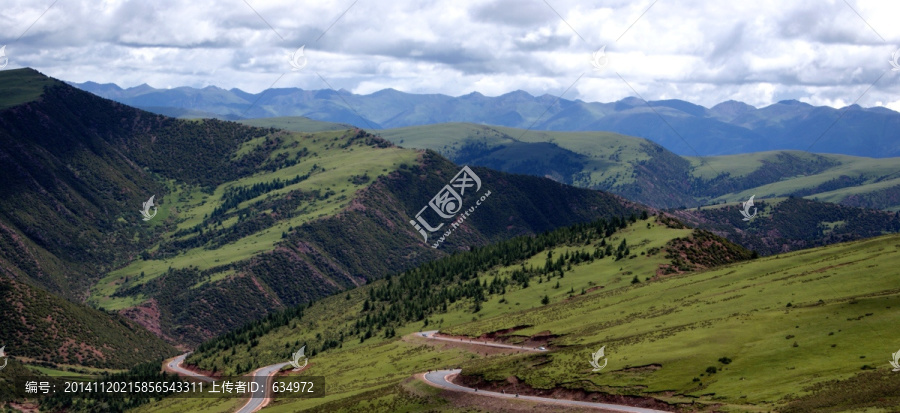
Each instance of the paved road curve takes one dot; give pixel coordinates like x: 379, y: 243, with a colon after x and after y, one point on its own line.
x: 431, y: 335
x: 439, y: 379
x: 174, y: 365
x: 263, y: 376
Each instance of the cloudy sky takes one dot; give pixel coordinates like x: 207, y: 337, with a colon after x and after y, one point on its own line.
x: 825, y: 52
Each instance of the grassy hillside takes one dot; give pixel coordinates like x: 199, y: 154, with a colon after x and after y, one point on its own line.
x: 343, y: 226
x: 645, y: 172
x: 297, y: 124
x: 250, y: 219
x: 23, y: 85
x: 680, y: 324
x: 745, y: 334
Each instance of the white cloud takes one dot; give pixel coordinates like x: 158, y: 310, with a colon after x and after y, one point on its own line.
x: 818, y: 51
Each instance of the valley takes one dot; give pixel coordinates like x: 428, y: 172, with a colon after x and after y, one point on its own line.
x: 438, y: 253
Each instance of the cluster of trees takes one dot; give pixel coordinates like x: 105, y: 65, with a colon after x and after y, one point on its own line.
x: 703, y: 249
x: 418, y: 293
x: 78, y: 402
x: 235, y: 195
x: 361, y: 137
x: 250, y: 331
x: 428, y: 289
x: 284, y: 160
x: 796, y: 223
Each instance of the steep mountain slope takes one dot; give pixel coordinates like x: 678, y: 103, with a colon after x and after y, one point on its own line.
x: 42, y: 328
x: 83, y: 165
x: 682, y: 127
x: 726, y: 333
x: 249, y: 220
x: 207, y: 284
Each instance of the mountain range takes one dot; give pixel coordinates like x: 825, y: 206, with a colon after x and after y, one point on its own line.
x: 274, y: 234
x: 684, y: 128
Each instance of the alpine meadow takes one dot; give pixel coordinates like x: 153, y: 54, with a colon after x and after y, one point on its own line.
x: 477, y: 206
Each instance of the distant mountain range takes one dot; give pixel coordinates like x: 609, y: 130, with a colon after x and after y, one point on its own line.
x: 684, y: 128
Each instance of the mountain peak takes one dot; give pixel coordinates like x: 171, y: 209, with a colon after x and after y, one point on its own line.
x: 730, y: 109
x: 518, y: 93
x: 628, y: 103
x: 792, y: 102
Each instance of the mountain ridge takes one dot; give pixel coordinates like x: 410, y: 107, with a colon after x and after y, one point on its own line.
x: 682, y: 127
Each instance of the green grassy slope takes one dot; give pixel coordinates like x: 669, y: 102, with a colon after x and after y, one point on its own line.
x: 297, y: 124
x: 644, y: 172
x: 786, y: 323
x: 330, y: 232
x: 780, y: 326
x: 849, y: 180
x: 23, y: 85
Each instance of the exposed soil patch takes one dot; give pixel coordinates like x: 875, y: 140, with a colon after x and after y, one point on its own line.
x: 27, y: 407
x: 643, y: 369
x: 147, y: 315
x: 504, y: 332
x: 505, y: 336
x: 464, y: 343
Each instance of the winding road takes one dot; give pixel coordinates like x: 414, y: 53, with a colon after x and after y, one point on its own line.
x: 431, y: 335
x: 439, y: 379
x: 174, y: 366
x: 263, y: 376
